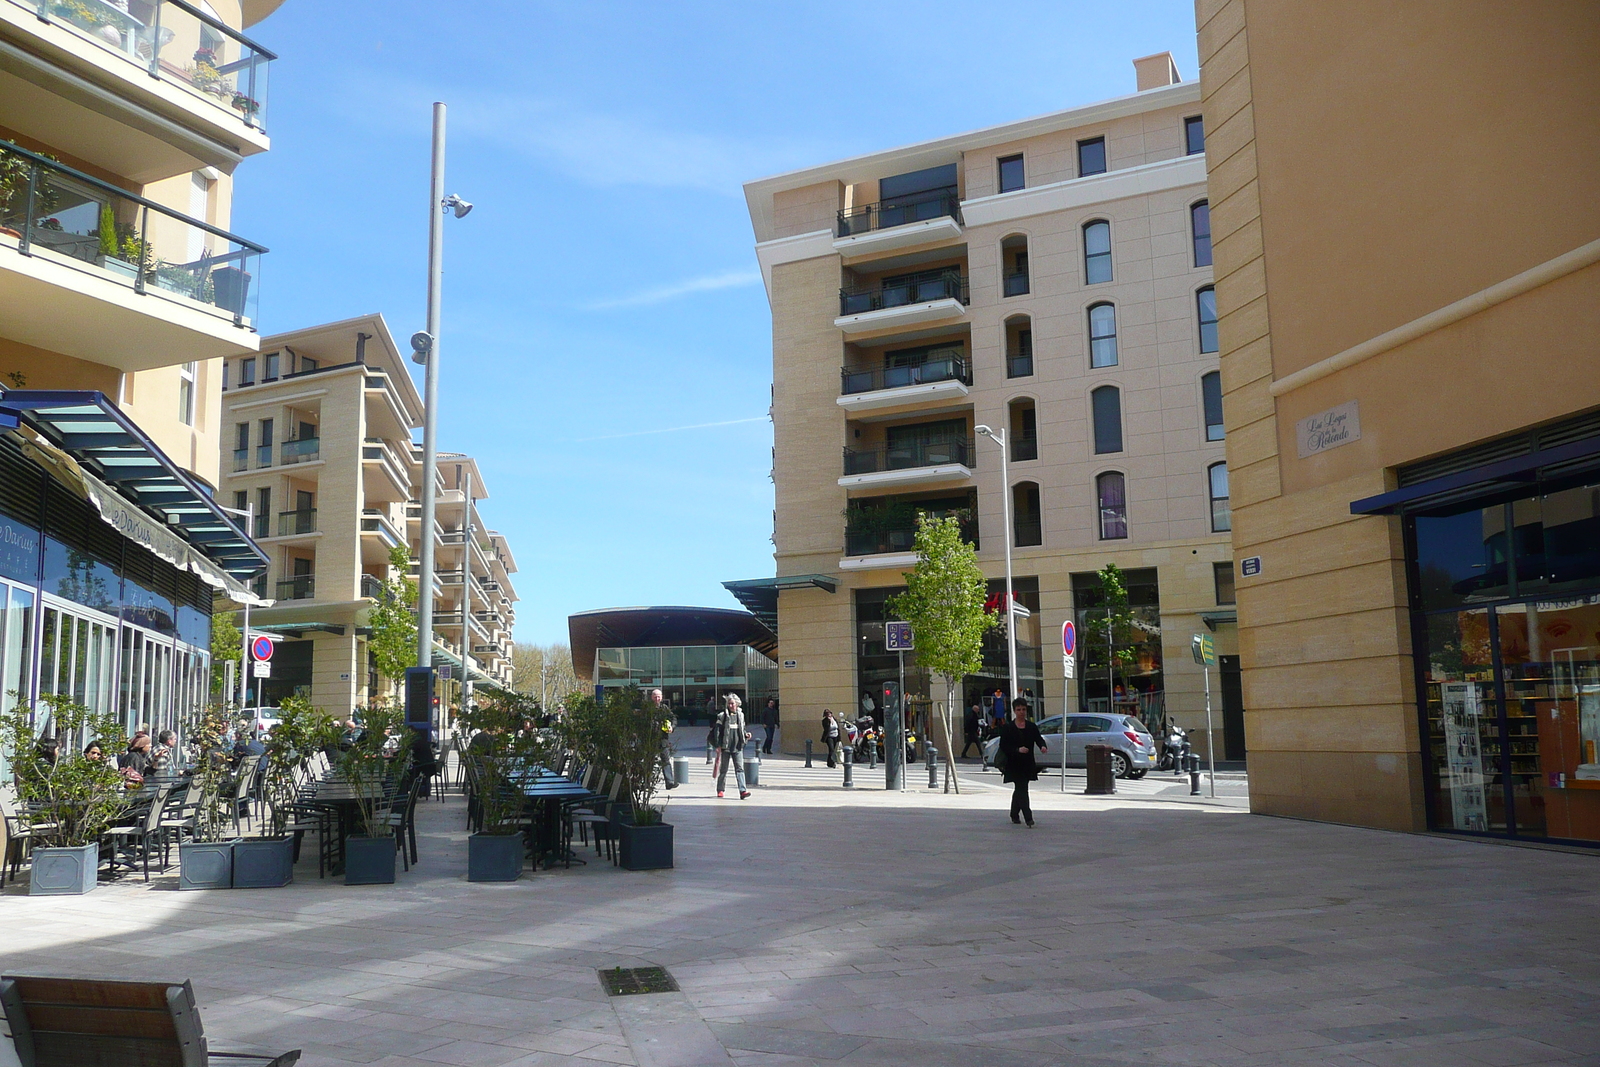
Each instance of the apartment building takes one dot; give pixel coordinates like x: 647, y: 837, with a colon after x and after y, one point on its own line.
x: 475, y: 611
x: 1049, y: 279
x: 1408, y: 276
x: 121, y: 292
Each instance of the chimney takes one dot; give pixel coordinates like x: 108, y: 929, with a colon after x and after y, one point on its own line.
x: 1156, y: 71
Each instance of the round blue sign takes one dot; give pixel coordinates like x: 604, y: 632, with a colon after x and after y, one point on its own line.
x: 261, y: 648
x: 1069, y: 638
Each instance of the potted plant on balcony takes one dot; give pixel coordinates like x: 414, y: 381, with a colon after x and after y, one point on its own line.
x: 495, y: 853
x: 206, y: 860
x: 66, y: 799
x: 268, y: 861
x: 372, y: 771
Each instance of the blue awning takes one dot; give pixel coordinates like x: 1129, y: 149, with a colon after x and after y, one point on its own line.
x: 109, y: 446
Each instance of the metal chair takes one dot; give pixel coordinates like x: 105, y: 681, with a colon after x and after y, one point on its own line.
x: 142, y: 832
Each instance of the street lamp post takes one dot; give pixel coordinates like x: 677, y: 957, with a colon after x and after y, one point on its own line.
x: 249, y: 514
x: 999, y: 438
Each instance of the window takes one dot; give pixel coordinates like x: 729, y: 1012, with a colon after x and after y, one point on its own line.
x: 241, y: 436
x: 1026, y: 528
x: 224, y: 376
x: 1011, y: 178
x: 307, y: 364
x: 1091, y: 157
x: 269, y: 367
x: 1211, y: 402
x: 247, y: 371
x: 1097, y: 252
x: 1200, y: 225
x: 186, y: 375
x: 266, y: 432
x: 1024, y: 433
x: 1107, y: 404
x: 1019, y: 347
x: 1206, y: 305
x: 1102, y: 336
x: 1194, y: 135
x: 1113, y: 502
x: 1222, y: 578
x: 263, y: 510
x: 1221, y: 517
x: 1014, y: 266
x: 241, y: 500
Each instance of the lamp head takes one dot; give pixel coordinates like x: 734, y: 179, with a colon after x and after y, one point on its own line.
x: 980, y: 428
x: 458, y: 205
x: 421, y: 346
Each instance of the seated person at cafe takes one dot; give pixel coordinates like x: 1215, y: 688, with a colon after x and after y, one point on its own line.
x: 137, y: 758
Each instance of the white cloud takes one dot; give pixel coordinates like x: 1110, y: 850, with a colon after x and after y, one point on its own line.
x: 660, y: 294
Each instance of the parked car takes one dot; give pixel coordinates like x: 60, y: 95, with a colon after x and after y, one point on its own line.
x: 264, y: 721
x: 1133, y: 750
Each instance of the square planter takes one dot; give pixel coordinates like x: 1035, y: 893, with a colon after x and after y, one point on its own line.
x: 369, y: 860
x: 61, y: 872
x: 205, y: 864
x: 644, y: 848
x: 118, y: 266
x: 230, y: 288
x: 263, y: 862
x: 494, y: 857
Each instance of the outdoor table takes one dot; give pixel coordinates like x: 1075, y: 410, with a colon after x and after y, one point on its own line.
x: 544, y: 791
x: 341, y: 798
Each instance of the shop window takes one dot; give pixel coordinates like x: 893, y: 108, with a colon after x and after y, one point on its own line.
x: 1211, y: 403
x: 1011, y: 177
x: 1200, y: 231
x: 1091, y: 157
x: 1221, y: 516
x: 1106, y: 403
x: 1194, y: 135
x: 1111, y: 497
x: 1096, y: 252
x: 1222, y: 579
x: 1102, y: 336
x: 1027, y: 525
x: 1206, y: 312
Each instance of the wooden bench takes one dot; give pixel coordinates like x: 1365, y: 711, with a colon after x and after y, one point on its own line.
x: 92, y: 1022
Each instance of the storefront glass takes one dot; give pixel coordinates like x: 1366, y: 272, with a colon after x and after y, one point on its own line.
x: 693, y: 679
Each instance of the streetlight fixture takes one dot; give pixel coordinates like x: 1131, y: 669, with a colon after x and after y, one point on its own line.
x: 999, y: 438
x: 426, y: 347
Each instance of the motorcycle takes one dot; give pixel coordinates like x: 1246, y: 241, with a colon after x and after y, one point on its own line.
x: 1174, y: 749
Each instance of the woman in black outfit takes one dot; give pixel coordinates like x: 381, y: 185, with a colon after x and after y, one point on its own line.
x: 1018, y: 739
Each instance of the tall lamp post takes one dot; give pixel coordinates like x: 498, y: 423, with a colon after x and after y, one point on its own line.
x: 999, y: 438
x: 426, y: 352
x: 248, y: 513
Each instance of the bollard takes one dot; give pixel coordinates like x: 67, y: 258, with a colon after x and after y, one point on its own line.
x: 710, y: 751
x: 872, y: 755
x: 1194, y: 775
x: 752, y: 771
x: 849, y: 758
x: 933, y: 767
x: 680, y: 769
x: 808, y: 749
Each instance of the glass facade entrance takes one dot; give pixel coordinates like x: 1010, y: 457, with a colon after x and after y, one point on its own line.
x: 693, y: 679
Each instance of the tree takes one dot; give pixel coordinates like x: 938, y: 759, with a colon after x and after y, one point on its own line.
x: 943, y: 602
x: 560, y: 679
x: 226, y: 647
x: 393, y: 641
x: 1112, y: 619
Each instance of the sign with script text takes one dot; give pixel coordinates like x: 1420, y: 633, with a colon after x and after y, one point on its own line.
x: 1329, y: 429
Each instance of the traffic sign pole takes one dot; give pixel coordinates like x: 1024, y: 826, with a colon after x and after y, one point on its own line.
x: 1069, y: 671
x: 1211, y: 749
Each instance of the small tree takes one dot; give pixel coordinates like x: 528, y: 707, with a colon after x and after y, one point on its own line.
x: 1117, y: 632
x: 393, y: 641
x: 69, y: 800
x: 365, y: 766
x: 516, y: 742
x: 226, y: 647
x: 300, y: 732
x: 943, y: 602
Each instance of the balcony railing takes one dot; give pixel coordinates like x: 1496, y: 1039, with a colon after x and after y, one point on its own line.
x: 1024, y: 446
x: 1019, y: 364
x: 909, y: 456
x: 371, y: 586
x: 950, y: 365
x: 878, y: 542
x: 291, y: 523
x: 300, y: 587
x: 918, y: 207
x: 1029, y: 531
x: 373, y: 521
x: 1015, y: 283
x: 241, y: 460
x: 263, y: 455
x: 857, y: 300
x: 74, y: 218
x: 451, y: 577
x: 178, y: 43
x: 303, y: 450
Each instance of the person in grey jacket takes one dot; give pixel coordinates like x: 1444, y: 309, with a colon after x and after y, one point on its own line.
x: 731, y: 736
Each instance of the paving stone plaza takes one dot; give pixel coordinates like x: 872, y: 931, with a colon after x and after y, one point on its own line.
x: 814, y: 925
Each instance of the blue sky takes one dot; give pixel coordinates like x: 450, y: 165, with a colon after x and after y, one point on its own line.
x: 606, y: 340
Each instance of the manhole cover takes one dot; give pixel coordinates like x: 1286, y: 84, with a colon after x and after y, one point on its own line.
x: 628, y: 981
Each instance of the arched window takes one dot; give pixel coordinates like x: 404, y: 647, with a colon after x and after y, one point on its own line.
x: 1014, y: 266
x: 1206, y: 306
x: 1211, y: 402
x: 1102, y: 336
x: 1111, y: 496
x: 1200, y: 226
x: 1027, y: 527
x: 1221, y: 514
x: 1096, y: 252
x: 1106, y: 402
x: 1024, y: 432
x: 1019, y: 346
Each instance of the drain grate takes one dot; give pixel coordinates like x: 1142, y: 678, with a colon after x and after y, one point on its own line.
x: 631, y: 981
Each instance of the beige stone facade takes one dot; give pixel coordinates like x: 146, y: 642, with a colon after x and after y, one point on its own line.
x: 1416, y: 247
x: 847, y: 413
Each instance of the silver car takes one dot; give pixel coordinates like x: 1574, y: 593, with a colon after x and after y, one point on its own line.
x: 1133, y: 749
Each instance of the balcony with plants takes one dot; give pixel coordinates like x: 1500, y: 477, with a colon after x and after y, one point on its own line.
x: 898, y: 298
x: 887, y: 525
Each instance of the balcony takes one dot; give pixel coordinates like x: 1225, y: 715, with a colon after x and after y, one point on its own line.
x: 451, y: 577
x: 295, y: 523
x: 92, y: 271
x: 263, y: 456
x: 241, y: 460
x: 387, y: 415
x: 300, y: 587
x: 387, y: 479
x: 903, y: 222
x: 1024, y: 447
x: 1029, y: 531
x: 1019, y: 364
x: 942, y: 374
x: 376, y: 526
x: 908, y: 464
x: 928, y: 298
x: 302, y: 450
x: 148, y: 90
x: 371, y: 586
x: 1014, y: 283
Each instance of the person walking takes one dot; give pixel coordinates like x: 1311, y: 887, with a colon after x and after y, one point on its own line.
x: 1018, y: 739
x: 769, y: 719
x: 830, y: 736
x: 731, y: 736
x: 971, y: 724
x: 663, y: 713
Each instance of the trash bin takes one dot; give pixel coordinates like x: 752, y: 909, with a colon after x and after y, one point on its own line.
x: 680, y: 769
x: 1101, y: 781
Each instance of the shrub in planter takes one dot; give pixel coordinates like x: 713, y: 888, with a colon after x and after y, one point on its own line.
x: 508, y: 742
x: 268, y: 861
x: 371, y: 774
x: 626, y: 733
x: 206, y: 862
x: 644, y: 848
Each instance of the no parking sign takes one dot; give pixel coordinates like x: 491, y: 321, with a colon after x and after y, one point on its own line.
x: 1069, y: 649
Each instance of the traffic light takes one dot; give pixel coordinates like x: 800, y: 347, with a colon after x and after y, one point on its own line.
x: 891, y: 696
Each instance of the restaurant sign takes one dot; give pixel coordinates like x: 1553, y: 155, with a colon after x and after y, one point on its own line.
x: 1329, y: 429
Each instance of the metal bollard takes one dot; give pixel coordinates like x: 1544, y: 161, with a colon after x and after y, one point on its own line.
x: 1194, y: 775
x: 752, y: 770
x: 680, y: 769
x: 808, y: 749
x: 872, y: 755
x: 849, y: 762
x: 710, y: 752
x: 933, y: 767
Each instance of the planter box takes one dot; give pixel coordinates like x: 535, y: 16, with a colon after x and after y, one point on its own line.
x: 644, y: 848
x: 61, y: 872
x: 205, y: 864
x: 494, y: 857
x: 263, y: 862
x: 369, y: 860
x: 230, y: 288
x: 118, y: 266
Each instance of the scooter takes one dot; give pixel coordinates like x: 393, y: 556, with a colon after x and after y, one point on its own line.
x: 1174, y: 749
